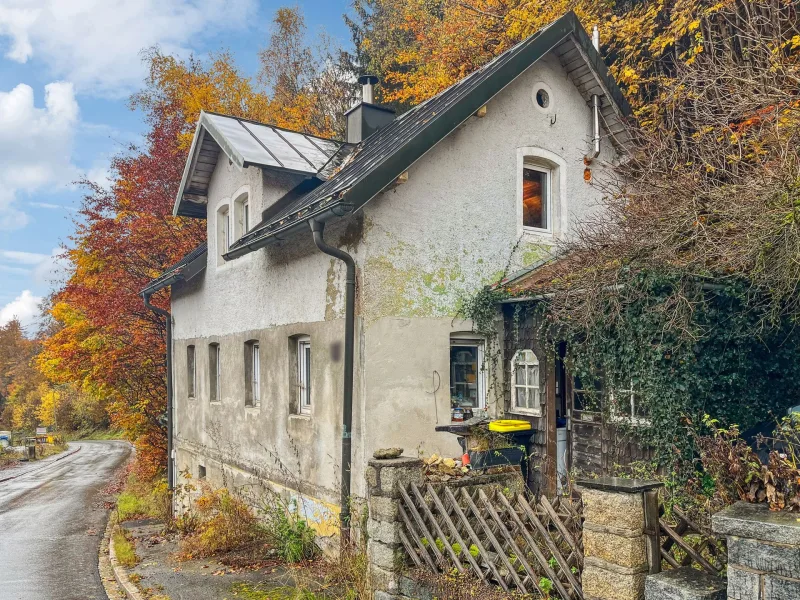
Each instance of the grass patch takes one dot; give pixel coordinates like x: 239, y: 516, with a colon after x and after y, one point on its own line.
x: 123, y: 547
x: 249, y: 591
x: 93, y: 434
x: 45, y: 450
x: 143, y: 500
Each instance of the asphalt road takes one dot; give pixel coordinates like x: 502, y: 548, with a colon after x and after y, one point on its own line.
x: 51, y: 524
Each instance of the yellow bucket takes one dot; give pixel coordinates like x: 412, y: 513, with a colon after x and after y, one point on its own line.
x: 509, y: 425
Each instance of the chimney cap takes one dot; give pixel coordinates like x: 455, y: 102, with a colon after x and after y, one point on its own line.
x: 368, y: 79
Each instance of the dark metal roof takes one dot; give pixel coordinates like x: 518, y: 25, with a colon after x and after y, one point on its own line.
x: 246, y: 143
x: 183, y: 270
x: 377, y: 161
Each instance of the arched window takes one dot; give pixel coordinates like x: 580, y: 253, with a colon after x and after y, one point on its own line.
x: 525, y: 390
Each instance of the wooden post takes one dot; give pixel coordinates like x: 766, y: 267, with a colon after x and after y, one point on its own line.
x: 651, y: 531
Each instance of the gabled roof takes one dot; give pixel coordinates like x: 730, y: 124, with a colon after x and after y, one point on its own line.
x: 375, y: 163
x: 245, y: 143
x: 183, y: 270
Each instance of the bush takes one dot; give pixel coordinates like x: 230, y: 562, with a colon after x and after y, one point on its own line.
x: 144, y: 499
x: 223, y: 522
x: 292, y: 538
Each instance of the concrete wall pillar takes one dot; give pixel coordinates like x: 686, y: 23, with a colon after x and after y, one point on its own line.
x: 385, y: 554
x: 620, y: 537
x: 763, y: 552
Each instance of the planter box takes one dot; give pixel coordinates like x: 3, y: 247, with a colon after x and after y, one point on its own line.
x: 500, y: 457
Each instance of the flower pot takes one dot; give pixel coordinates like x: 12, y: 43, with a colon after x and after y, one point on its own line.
x: 496, y: 457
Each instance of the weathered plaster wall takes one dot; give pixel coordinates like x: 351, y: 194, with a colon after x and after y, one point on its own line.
x: 453, y: 227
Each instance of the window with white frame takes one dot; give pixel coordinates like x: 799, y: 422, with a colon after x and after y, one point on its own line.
x: 304, y: 374
x: 536, y: 204
x: 191, y: 371
x: 467, y: 376
x: 241, y: 209
x: 215, y: 372
x: 626, y: 407
x: 252, y: 373
x: 525, y: 387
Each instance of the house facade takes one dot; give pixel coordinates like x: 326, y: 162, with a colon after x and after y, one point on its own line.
x: 431, y: 205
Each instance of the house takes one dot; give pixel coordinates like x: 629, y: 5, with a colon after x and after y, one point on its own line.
x: 318, y: 324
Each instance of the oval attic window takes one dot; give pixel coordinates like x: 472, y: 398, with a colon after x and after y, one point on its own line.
x: 542, y: 98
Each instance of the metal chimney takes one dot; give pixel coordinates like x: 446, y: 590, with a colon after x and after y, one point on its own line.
x: 367, y: 87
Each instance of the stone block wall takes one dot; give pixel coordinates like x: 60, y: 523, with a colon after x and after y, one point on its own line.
x: 617, y: 537
x: 385, y: 553
x: 763, y: 552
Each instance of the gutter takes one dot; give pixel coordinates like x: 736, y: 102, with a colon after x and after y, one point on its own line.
x: 168, y: 317
x: 317, y: 229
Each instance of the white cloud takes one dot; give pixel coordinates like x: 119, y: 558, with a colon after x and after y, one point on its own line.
x: 45, y: 269
x: 24, y: 307
x: 35, y: 145
x: 96, y: 43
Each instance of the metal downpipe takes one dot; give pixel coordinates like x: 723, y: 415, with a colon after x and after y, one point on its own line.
x: 317, y: 228
x: 168, y: 317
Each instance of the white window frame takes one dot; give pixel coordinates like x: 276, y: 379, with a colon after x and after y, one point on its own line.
x: 191, y: 367
x: 256, y: 374
x: 245, y: 215
x: 465, y: 340
x: 241, y: 213
x: 304, y: 375
x: 547, y: 196
x: 226, y: 229
x: 558, y: 205
x: 616, y: 417
x: 528, y: 385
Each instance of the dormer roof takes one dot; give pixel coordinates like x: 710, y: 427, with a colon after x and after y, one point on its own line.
x: 245, y: 143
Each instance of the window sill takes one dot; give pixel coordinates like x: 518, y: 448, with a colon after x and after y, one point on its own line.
x: 538, y: 234
x: 251, y: 408
x: 296, y: 417
x: 215, y: 402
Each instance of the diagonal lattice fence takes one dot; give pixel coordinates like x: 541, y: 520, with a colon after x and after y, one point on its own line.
x: 513, y: 542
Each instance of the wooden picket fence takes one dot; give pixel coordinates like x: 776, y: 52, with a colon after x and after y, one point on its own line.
x: 684, y: 544
x: 511, y: 542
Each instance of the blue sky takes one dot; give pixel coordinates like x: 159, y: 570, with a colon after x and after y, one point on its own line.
x: 66, y: 71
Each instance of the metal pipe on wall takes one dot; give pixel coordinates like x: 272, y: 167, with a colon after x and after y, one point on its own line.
x: 168, y: 317
x: 317, y: 229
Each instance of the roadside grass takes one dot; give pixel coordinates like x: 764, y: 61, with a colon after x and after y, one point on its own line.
x: 250, y: 591
x: 143, y: 500
x: 8, y: 458
x: 93, y: 434
x: 45, y: 450
x: 126, y: 553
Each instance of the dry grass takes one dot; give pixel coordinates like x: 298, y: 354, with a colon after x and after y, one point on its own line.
x: 124, y: 549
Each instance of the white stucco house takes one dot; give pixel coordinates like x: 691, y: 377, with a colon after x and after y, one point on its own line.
x: 425, y: 208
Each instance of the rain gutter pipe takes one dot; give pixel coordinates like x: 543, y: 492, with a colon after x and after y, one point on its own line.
x: 595, y: 107
x: 317, y: 229
x: 168, y: 317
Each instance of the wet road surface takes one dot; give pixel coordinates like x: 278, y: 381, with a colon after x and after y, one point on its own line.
x: 51, y: 524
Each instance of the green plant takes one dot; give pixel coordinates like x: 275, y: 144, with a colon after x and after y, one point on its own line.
x: 456, y: 548
x: 546, y: 586
x: 473, y: 550
x: 123, y: 548
x: 293, y: 539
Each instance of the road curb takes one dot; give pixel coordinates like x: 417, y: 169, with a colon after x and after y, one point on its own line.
x: 120, y: 574
x: 42, y: 466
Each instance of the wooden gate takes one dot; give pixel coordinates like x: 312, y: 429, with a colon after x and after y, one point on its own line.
x: 509, y: 542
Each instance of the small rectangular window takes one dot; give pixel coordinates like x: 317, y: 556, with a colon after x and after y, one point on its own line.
x: 626, y: 408
x: 191, y: 371
x: 304, y: 374
x: 215, y: 371
x: 201, y: 471
x: 467, y: 388
x: 252, y: 374
x: 525, y: 391
x: 535, y: 198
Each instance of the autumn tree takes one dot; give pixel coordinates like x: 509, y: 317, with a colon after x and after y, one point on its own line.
x: 105, y: 350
